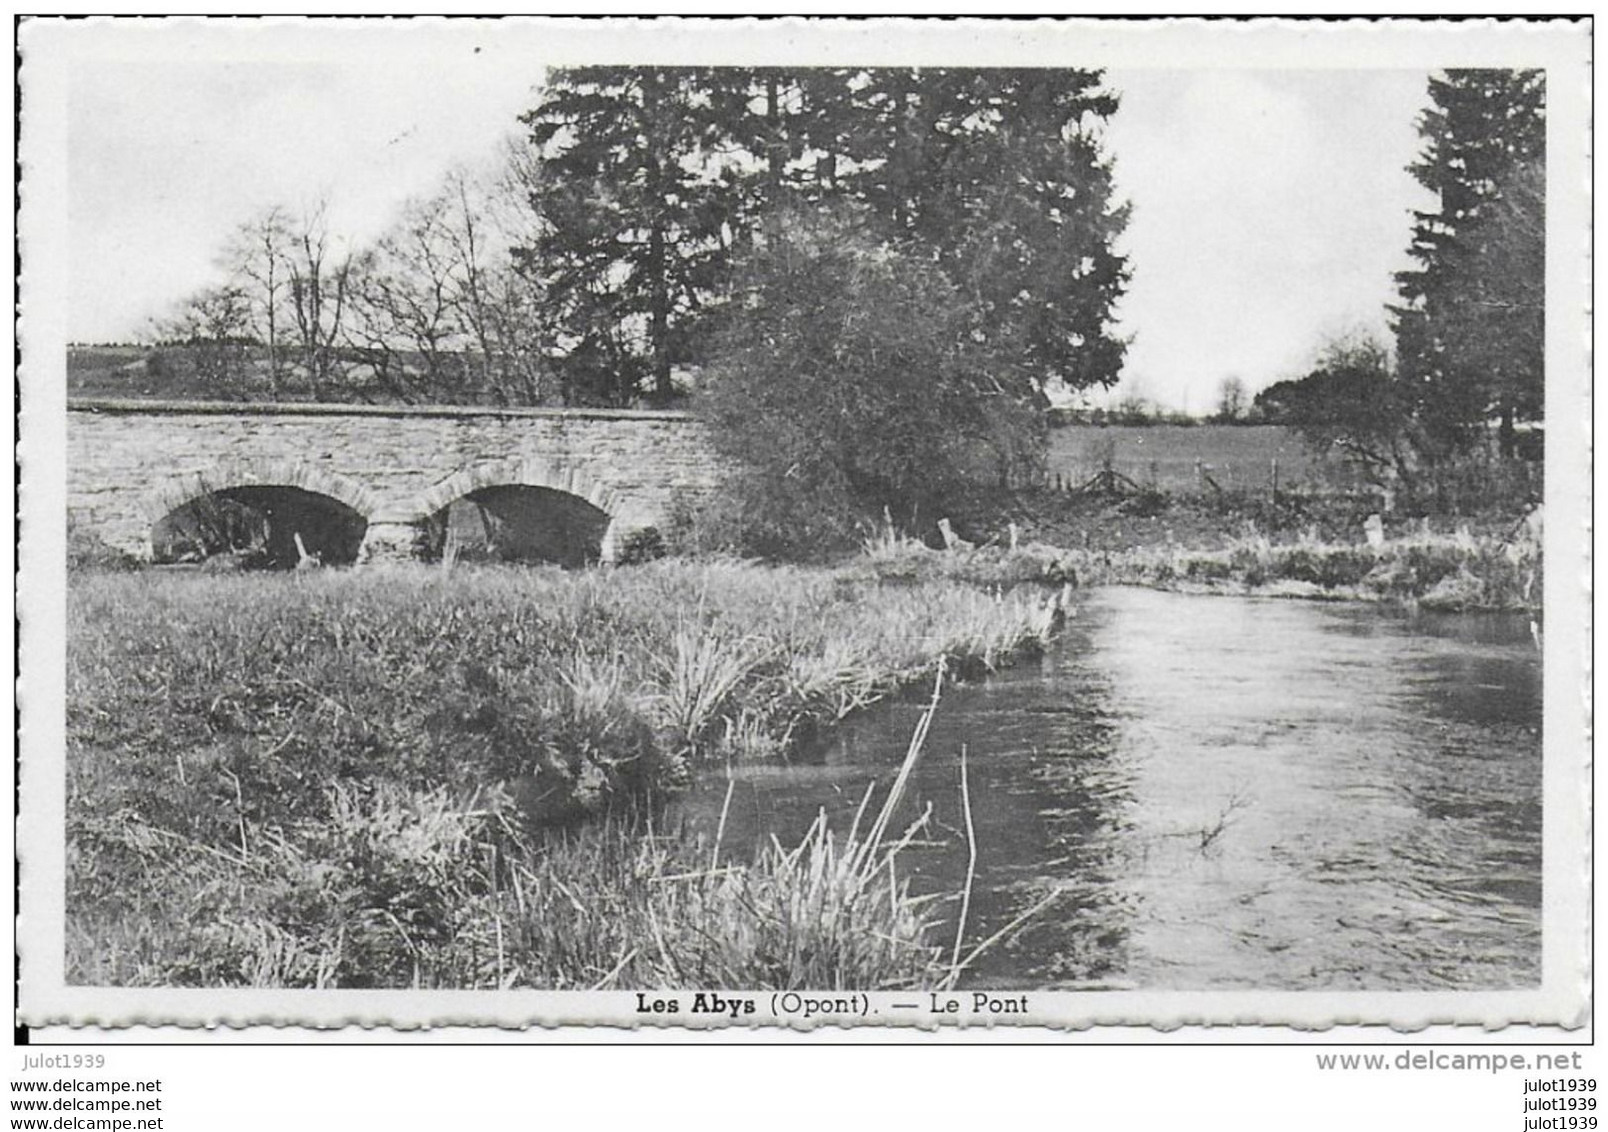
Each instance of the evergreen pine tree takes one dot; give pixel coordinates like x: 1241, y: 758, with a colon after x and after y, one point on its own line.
x: 1469, y: 328
x: 635, y: 222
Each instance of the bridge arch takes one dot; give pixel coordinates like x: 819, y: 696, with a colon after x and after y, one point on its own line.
x: 554, y: 475
x: 541, y: 509
x: 280, y: 507
x: 176, y: 491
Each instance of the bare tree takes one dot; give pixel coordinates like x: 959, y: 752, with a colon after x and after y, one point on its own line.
x: 257, y: 260
x: 510, y: 330
x: 519, y: 336
x: 1231, y: 400
x: 471, y: 235
x: 438, y: 311
x: 288, y: 281
x: 403, y: 317
x: 434, y: 310
x: 214, y: 327
x: 319, y: 281
x: 522, y: 317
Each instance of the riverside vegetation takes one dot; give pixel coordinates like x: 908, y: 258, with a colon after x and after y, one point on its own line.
x: 1455, y: 571
x: 415, y: 777
x: 410, y: 778
x: 1238, y: 543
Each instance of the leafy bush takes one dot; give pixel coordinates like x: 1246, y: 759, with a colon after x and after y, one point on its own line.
x: 853, y: 382
x: 1479, y: 484
x: 645, y: 544
x: 775, y: 520
x: 1329, y: 567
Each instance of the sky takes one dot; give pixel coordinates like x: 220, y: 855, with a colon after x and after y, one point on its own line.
x: 1270, y: 212
x: 1270, y: 208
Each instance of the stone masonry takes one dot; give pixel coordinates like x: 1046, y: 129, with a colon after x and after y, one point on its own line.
x: 130, y: 463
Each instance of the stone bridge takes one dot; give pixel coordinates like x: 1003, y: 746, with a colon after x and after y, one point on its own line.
x: 361, y: 482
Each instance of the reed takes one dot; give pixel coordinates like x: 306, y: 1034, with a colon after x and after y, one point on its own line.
x: 700, y: 674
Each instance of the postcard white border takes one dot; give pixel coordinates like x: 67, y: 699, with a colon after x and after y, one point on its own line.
x: 1563, y: 48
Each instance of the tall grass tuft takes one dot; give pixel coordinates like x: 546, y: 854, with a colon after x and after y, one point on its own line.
x: 698, y: 677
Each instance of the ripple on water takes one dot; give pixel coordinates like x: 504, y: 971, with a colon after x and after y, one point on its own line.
x: 1222, y: 792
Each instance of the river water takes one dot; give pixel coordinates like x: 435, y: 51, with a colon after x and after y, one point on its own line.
x: 1222, y: 792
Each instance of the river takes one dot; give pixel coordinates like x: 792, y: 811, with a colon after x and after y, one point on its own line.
x: 1222, y: 792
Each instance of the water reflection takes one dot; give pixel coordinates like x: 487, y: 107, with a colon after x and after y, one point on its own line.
x: 1223, y: 792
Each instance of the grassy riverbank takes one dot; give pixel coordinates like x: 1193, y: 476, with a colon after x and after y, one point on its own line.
x: 1437, y: 564
x: 375, y: 778
x: 1458, y: 571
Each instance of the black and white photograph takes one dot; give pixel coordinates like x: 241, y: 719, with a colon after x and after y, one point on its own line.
x: 804, y: 524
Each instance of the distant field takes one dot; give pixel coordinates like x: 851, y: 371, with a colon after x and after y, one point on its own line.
x: 127, y: 372
x: 1237, y: 457
x: 108, y: 371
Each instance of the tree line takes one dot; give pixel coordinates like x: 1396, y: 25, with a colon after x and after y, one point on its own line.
x: 1466, y: 369
x: 603, y: 260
